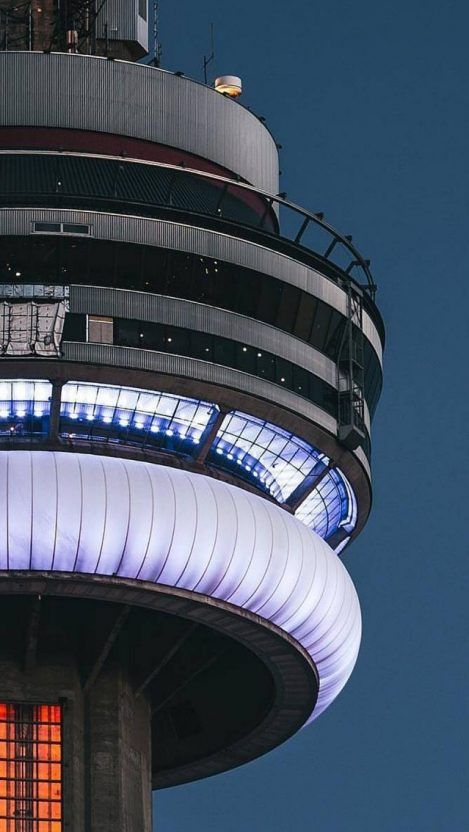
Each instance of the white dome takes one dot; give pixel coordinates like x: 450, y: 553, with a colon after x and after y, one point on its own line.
x: 99, y: 515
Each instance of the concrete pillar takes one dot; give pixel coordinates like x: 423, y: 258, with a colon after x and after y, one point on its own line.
x: 106, y: 740
x: 118, y: 755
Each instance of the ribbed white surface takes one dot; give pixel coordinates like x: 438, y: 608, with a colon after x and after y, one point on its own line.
x: 91, y: 514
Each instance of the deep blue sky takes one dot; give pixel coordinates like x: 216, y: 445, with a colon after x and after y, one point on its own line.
x: 370, y: 102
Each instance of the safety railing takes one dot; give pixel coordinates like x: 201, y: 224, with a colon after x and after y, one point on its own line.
x: 149, y: 187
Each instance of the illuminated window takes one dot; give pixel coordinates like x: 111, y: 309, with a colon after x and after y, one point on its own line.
x: 24, y: 407
x: 330, y: 507
x: 143, y: 411
x: 30, y: 768
x: 277, y: 459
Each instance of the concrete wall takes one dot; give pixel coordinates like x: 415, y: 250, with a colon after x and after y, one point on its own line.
x: 106, y: 741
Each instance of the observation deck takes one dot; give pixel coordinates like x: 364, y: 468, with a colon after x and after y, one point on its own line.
x: 172, y: 323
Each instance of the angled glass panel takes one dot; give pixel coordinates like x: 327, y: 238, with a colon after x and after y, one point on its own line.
x: 127, y: 414
x: 331, y: 507
x: 275, y: 458
x: 24, y: 407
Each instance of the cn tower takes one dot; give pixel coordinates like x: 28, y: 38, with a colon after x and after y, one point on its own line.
x: 190, y: 365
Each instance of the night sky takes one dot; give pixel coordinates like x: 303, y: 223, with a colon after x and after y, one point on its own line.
x: 370, y: 102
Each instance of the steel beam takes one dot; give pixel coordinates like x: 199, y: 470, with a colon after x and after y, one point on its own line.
x: 106, y: 649
x: 204, y: 448
x: 166, y: 659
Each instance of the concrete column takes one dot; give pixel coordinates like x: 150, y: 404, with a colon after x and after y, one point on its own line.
x: 106, y: 773
x: 117, y: 755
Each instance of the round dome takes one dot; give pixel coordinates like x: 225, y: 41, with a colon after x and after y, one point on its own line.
x: 66, y: 512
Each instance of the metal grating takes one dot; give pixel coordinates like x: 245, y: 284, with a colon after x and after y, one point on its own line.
x: 30, y: 768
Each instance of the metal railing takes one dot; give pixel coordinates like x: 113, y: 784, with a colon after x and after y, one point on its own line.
x: 260, y: 210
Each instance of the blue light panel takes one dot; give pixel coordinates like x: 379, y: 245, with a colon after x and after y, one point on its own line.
x: 330, y: 507
x: 273, y: 457
x: 22, y: 401
x: 142, y: 411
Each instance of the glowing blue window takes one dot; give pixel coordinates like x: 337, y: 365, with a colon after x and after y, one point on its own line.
x: 274, y: 457
x: 23, y: 401
x: 331, y: 507
x: 142, y: 411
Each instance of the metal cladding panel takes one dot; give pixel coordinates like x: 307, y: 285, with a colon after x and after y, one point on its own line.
x: 88, y: 93
x: 142, y: 31
x: 193, y: 368
x: 128, y: 519
x: 123, y: 21
x: 200, y: 241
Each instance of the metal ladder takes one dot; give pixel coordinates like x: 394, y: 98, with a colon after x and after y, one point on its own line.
x: 351, y: 373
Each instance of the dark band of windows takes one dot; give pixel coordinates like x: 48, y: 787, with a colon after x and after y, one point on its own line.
x: 206, y: 347
x: 71, y: 260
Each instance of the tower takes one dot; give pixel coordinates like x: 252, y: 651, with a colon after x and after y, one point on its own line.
x: 189, y: 369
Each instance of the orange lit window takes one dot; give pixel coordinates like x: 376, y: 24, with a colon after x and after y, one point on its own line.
x: 30, y: 768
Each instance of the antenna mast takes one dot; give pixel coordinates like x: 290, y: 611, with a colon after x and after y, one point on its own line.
x: 211, y: 57
x: 157, y: 47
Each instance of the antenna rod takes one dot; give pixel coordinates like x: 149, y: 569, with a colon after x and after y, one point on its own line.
x: 157, y: 47
x: 208, y: 61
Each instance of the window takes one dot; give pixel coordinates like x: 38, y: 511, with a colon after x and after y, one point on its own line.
x: 74, y: 327
x: 48, y: 227
x: 71, y: 259
x: 30, y: 768
x: 75, y: 228
x: 142, y: 8
x: 61, y: 228
x: 223, y: 351
x: 100, y: 329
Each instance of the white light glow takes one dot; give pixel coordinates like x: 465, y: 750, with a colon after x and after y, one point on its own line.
x: 101, y: 515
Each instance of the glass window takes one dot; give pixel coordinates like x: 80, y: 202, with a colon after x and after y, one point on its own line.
x: 200, y: 345
x: 74, y: 327
x: 47, y: 227
x: 203, y: 279
x: 228, y: 353
x: 74, y: 260
x: 224, y: 352
x: 177, y: 340
x: 276, y: 459
x: 147, y: 417
x: 75, y: 228
x: 300, y: 381
x: 307, y: 310
x: 30, y: 767
x: 287, y: 311
x: 245, y: 358
x: 284, y: 373
x: 331, y: 506
x: 126, y: 332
